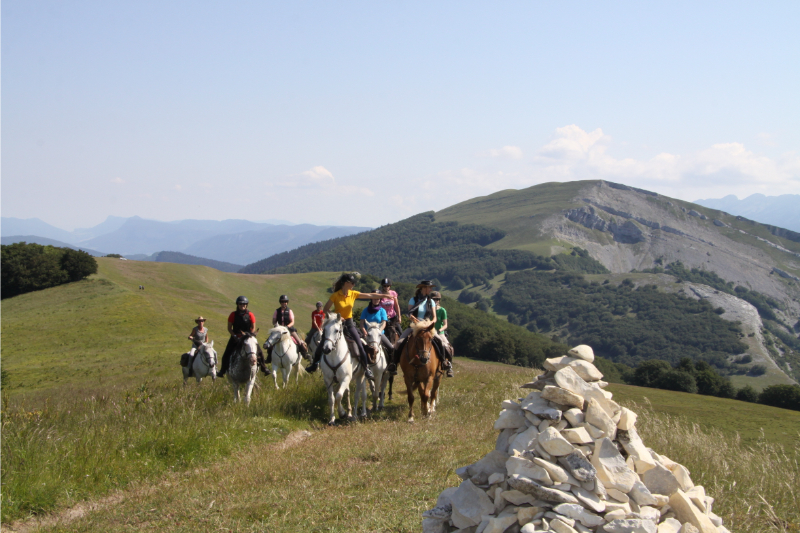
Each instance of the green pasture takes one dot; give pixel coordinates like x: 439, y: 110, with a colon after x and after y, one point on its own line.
x: 104, y: 332
x: 94, y: 413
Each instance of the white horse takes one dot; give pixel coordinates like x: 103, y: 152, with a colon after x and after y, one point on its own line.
x: 243, y: 367
x: 284, y: 355
x: 377, y: 385
x: 205, y: 363
x: 337, y: 368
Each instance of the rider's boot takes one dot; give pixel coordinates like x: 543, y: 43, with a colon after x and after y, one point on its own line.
x: 367, y: 372
x: 448, y: 366
x: 303, y: 350
x: 392, y: 368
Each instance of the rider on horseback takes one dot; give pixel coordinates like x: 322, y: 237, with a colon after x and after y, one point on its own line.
x: 441, y: 335
x: 376, y: 314
x: 283, y: 316
x: 198, y: 336
x: 240, y: 322
x: 342, y: 301
x: 420, y: 307
x: 317, y: 318
x: 391, y: 305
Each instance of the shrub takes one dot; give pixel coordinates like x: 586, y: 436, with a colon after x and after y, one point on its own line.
x: 676, y: 380
x: 784, y: 396
x: 757, y: 370
x: 747, y: 394
x: 744, y: 359
x: 649, y: 372
x: 468, y: 297
x: 32, y: 267
x: 484, y: 304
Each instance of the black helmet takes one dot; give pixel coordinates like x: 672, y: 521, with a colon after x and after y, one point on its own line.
x: 242, y: 300
x: 386, y: 282
x: 283, y: 298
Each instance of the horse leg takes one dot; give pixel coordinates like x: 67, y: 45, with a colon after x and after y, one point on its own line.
x: 410, y: 391
x: 391, y: 382
x: 275, y: 375
x: 285, y: 373
x: 235, y: 389
x: 435, y: 393
x: 249, y: 390
x: 331, y: 405
x: 424, y: 399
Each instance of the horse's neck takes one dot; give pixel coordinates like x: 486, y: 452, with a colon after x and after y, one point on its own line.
x: 285, y: 343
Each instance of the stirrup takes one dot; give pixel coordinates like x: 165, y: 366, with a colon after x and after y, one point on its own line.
x: 312, y: 368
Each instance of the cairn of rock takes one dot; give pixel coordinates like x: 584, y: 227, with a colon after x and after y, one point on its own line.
x: 568, y: 459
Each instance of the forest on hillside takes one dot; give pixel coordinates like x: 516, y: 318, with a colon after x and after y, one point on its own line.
x: 420, y: 248
x: 622, y: 323
x: 30, y: 267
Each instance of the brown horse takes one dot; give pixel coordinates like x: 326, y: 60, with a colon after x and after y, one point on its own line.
x: 421, y: 368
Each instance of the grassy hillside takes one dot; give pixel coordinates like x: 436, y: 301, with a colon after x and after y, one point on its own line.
x: 104, y: 331
x: 164, y: 459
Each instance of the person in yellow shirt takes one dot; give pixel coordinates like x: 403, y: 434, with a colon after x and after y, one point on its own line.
x: 342, y: 301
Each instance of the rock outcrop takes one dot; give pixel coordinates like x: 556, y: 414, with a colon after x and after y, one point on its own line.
x: 568, y: 459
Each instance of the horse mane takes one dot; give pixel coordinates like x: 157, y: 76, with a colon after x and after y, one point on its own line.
x: 421, y: 325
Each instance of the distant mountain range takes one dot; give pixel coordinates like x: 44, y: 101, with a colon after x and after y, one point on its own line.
x: 782, y: 211
x: 234, y: 242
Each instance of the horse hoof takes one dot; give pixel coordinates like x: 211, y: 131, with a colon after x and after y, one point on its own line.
x: 411, y: 420
x: 332, y: 423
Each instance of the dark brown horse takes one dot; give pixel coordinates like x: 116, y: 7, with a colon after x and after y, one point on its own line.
x: 392, y: 333
x: 421, y: 368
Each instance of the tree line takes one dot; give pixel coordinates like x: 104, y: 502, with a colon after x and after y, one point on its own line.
x: 32, y: 267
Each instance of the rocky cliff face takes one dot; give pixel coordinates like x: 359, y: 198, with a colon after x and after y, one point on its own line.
x: 626, y: 229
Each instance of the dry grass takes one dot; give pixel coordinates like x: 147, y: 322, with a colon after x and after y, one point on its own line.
x: 380, y: 475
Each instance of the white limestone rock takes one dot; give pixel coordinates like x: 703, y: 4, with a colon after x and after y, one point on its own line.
x: 682, y: 475
x: 491, y: 463
x: 618, y: 495
x: 611, y: 467
x: 640, y: 494
x: 554, y: 444
x: 500, y: 523
x: 523, y: 467
x: 540, y: 492
x: 567, y: 378
x: 503, y: 439
x: 642, y: 458
x: 562, y: 397
x: 529, y: 528
x: 594, y: 431
x: 577, y: 436
x: 590, y: 500
x: 559, y: 526
x: 597, y: 416
x: 670, y: 525
x: 510, y: 404
x: 556, y: 473
x: 523, y: 441
x: 659, y: 480
x: 627, y: 419
x: 574, y: 417
x: 586, y: 370
x: 526, y: 514
x: 686, y: 511
x: 433, y: 525
x: 578, y: 466
x: 577, y: 512
x: 557, y: 363
x: 631, y: 526
x: 582, y: 351
x: 496, y: 478
x: 469, y: 504
x: 510, y: 418
x: 538, y: 406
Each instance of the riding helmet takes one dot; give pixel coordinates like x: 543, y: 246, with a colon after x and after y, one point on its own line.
x: 386, y: 282
x: 242, y: 300
x: 283, y: 298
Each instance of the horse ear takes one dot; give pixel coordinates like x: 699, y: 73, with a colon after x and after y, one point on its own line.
x: 430, y: 327
x: 211, y: 344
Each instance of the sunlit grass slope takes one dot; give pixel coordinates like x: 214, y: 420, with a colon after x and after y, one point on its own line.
x: 381, y: 474
x: 104, y: 331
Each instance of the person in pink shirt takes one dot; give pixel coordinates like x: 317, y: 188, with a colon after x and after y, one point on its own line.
x: 392, y: 307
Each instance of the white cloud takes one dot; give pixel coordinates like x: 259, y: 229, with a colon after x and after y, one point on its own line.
x: 177, y: 187
x: 320, y: 179
x: 117, y: 180
x: 506, y: 152
x: 575, y: 154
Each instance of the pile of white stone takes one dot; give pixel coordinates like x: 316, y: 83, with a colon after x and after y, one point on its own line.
x: 568, y: 459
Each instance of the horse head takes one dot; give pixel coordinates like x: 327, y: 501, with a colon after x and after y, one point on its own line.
x: 209, y: 354
x: 373, y: 337
x: 421, y: 341
x: 332, y: 329
x: 275, y: 335
x: 250, y: 346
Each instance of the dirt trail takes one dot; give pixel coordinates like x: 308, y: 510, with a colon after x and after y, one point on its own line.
x: 79, y: 510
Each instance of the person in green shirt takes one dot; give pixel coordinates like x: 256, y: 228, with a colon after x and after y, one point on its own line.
x: 441, y: 327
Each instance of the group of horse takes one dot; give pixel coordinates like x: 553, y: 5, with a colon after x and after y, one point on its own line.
x: 340, y: 365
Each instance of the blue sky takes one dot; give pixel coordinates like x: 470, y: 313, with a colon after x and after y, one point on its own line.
x: 363, y: 113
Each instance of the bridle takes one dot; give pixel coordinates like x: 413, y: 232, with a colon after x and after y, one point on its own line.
x: 206, y: 350
x: 335, y: 342
x: 279, y: 343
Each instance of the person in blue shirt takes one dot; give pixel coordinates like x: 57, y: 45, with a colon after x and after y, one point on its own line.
x: 377, y: 315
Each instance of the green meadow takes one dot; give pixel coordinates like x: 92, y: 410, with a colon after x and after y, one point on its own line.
x: 98, y: 432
